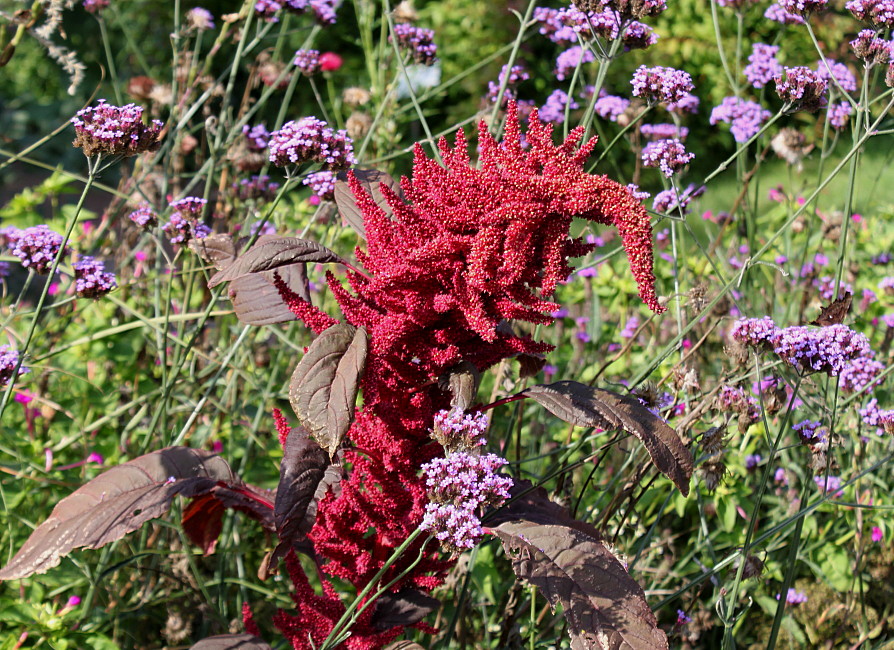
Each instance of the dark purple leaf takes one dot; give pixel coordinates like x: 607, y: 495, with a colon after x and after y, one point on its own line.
x: 305, y: 476
x: 369, y: 181
x: 257, y: 302
x: 461, y: 382
x: 402, y: 609
x: 530, y: 364
x: 219, y: 249
x: 202, y: 519
x: 404, y: 645
x: 587, y: 406
x: 231, y: 642
x: 272, y: 253
x: 324, y: 385
x: 565, y: 559
x: 118, y: 502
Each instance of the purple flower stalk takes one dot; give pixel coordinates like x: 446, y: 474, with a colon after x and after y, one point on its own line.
x: 115, y: 131
x: 200, y: 19
x: 37, y: 248
x: 610, y: 107
x: 9, y: 359
x: 668, y: 155
x: 554, y: 109
x: 322, y: 184
x: 570, y: 59
x: 418, y: 42
x: 144, y: 216
x: 660, y: 84
x: 91, y: 279
x: 307, y: 61
x: 663, y: 131
x: 762, y: 65
x: 776, y: 13
x: 744, y: 117
x: 803, y: 8
x: 802, y: 88
x: 311, y: 140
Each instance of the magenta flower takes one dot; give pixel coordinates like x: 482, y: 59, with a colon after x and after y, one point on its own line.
x: 878, y: 12
x: 663, y: 132
x: 827, y: 349
x: 256, y: 137
x: 877, y: 534
x: 831, y: 69
x: 870, y: 48
x: 95, y: 6
x: 839, y: 114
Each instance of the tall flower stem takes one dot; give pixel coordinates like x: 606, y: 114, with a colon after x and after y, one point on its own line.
x: 92, y: 168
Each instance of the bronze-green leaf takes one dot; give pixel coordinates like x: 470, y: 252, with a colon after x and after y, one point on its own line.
x: 587, y: 406
x: 273, y: 252
x: 325, y: 383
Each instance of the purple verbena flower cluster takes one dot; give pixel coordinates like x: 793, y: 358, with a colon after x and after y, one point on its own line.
x: 638, y: 36
x: 668, y: 155
x: 794, y: 597
x: 762, y: 65
x: 831, y: 69
x: 610, y: 107
x: 516, y: 75
x: 568, y: 61
x: 735, y: 4
x: 803, y: 8
x: 870, y: 48
x: 839, y: 114
x: 458, y: 486
x: 322, y: 183
x: 802, y: 87
x: 554, y: 108
x: 777, y: 13
x: 95, y: 6
x: 37, y: 248
x: 311, y: 140
x: 827, y: 349
x: 660, y: 84
x: 91, y: 278
x: 827, y: 484
x: 878, y: 12
x: 417, y: 41
x: 456, y: 430
x: 256, y: 188
x: 756, y: 332
x: 811, y: 432
x: 688, y: 103
x: 105, y: 129
x: 671, y: 201
x: 324, y: 10
x: 9, y: 359
x: 189, y: 206
x: 144, y: 216
x: 860, y: 374
x: 744, y: 117
x: 182, y: 228
x: 307, y: 62
x: 256, y: 137
x: 663, y: 131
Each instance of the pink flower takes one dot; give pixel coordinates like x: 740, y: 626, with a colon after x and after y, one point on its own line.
x: 877, y: 534
x: 330, y: 61
x: 95, y: 458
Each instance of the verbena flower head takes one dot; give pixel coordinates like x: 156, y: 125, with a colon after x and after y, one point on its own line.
x: 200, y: 19
x: 517, y: 75
x: 839, y: 114
x: 826, y: 349
x: 95, y: 6
x: 456, y: 430
x: 91, y: 278
x: 803, y: 8
x: 457, y: 528
x: 307, y: 61
x: 182, y: 228
x: 801, y: 87
x: 257, y: 137
x: 322, y: 184
x: 610, y: 107
x: 744, y: 117
x: 794, y: 597
x: 878, y: 12
x: 827, y: 484
x: 256, y: 188
x: 762, y: 65
x: 105, y: 129
x: 311, y: 140
x: 323, y: 10
x: 660, y: 84
x: 777, y: 13
x: 872, y: 49
x: 663, y: 131
x: 9, y: 359
x: 755, y: 332
x: 267, y: 10
x: 418, y: 42
x: 37, y: 247
x: 638, y: 36
x: 189, y: 206
x: 860, y: 373
x: 668, y: 155
x: 144, y: 216
x: 687, y: 104
x: 669, y: 201
x: 831, y: 69
x: 554, y: 109
x: 570, y: 59
x: 735, y: 4
x: 811, y: 432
